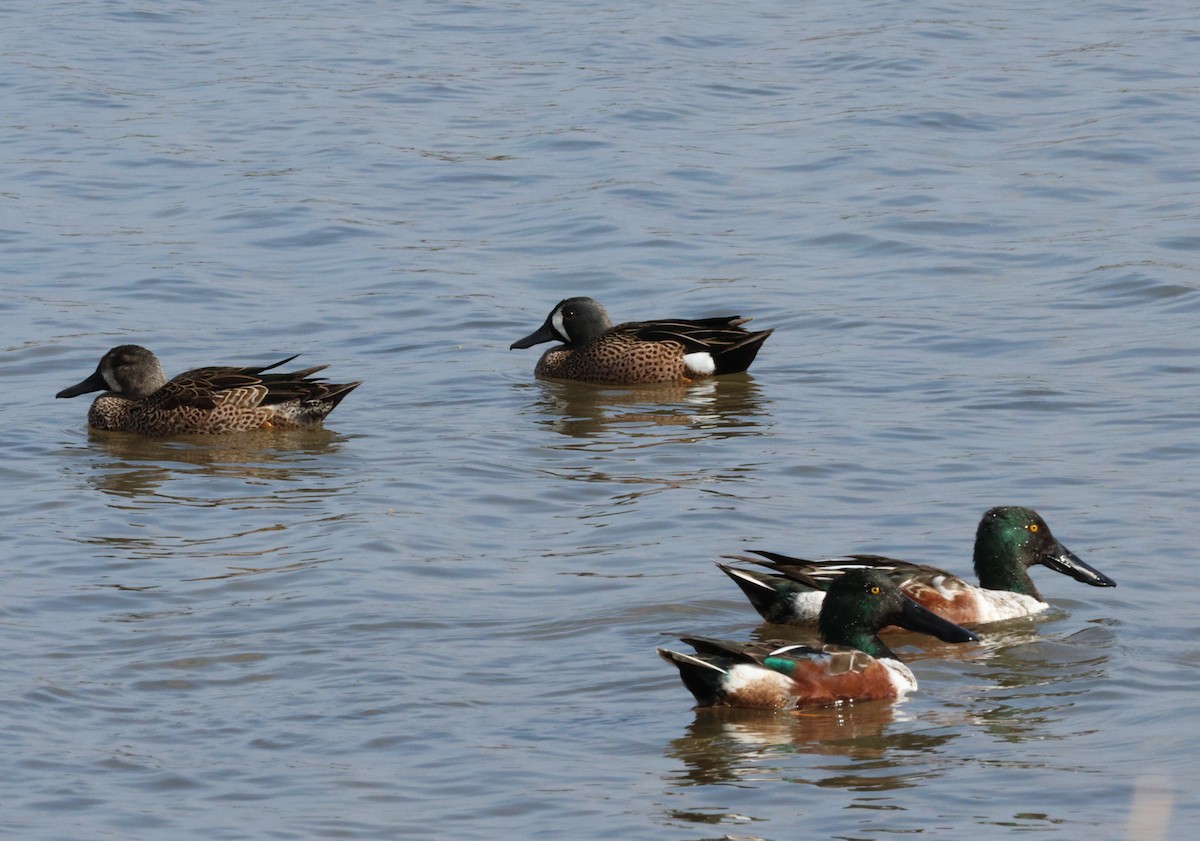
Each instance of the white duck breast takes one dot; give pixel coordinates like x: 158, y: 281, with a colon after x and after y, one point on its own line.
x: 999, y: 605
x: 901, y: 676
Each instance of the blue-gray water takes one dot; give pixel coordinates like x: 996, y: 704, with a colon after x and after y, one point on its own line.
x: 974, y: 228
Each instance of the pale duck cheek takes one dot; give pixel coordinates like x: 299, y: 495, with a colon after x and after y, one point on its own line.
x: 700, y: 363
x: 900, y: 675
x: 998, y: 605
x: 106, y: 371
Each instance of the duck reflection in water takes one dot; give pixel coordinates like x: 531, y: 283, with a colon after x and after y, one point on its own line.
x: 727, y: 745
x: 135, y: 466
x: 714, y: 408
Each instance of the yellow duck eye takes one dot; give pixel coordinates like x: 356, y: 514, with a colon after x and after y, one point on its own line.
x: 874, y: 590
x: 1033, y: 527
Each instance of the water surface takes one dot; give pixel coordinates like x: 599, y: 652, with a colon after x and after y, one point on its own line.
x: 973, y: 228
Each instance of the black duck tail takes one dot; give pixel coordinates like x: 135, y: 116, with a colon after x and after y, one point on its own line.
x: 737, y: 358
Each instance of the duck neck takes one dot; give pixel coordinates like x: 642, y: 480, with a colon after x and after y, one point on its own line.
x: 856, y: 635
x: 1000, y: 568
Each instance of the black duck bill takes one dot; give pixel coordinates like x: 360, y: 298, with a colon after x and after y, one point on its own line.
x: 1061, y: 559
x: 545, y: 333
x: 914, y: 617
x: 95, y: 382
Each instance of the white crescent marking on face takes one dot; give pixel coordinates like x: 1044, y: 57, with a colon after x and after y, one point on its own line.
x: 556, y: 321
x: 106, y: 371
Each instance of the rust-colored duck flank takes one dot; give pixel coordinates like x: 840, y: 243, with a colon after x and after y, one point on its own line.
x: 205, y: 401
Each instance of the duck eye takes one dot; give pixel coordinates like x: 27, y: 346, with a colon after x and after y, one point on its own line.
x: 874, y: 590
x: 1033, y: 527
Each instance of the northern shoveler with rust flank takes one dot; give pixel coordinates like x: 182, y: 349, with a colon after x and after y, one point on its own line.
x: 852, y: 665
x: 139, y: 398
x: 1009, y: 540
x: 594, y: 351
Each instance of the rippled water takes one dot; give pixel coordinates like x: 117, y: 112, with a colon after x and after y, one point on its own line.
x: 973, y: 228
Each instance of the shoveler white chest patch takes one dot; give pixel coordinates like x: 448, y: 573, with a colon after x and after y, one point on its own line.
x: 700, y: 363
x: 998, y: 605
x: 901, y: 676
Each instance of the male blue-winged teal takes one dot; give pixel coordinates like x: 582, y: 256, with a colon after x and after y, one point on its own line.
x: 139, y: 398
x: 594, y: 351
x: 1010, y: 540
x: 853, y: 665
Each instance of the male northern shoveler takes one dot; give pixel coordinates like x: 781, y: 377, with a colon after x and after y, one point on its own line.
x: 853, y: 665
x: 594, y: 351
x: 139, y: 398
x: 1010, y: 539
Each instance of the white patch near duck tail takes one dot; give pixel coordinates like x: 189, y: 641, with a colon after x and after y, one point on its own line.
x: 745, y: 675
x: 900, y: 675
x: 556, y: 321
x: 999, y: 605
x: 807, y: 605
x: 699, y: 363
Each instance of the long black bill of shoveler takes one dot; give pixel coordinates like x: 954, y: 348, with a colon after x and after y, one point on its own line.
x: 1061, y: 559
x: 93, y: 383
x: 917, y: 618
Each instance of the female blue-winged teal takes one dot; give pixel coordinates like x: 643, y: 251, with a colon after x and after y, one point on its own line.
x: 594, y: 351
x: 853, y: 665
x: 139, y: 398
x: 1010, y: 540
